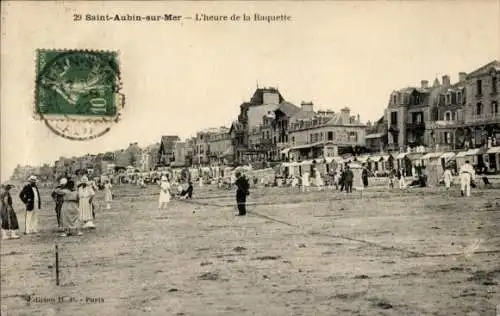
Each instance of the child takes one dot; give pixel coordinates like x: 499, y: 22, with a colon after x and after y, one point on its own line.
x: 447, y: 177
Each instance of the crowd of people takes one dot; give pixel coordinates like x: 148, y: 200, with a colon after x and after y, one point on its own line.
x: 75, y: 205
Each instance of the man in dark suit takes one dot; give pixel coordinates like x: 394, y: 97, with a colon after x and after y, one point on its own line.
x: 30, y: 196
x: 241, y: 193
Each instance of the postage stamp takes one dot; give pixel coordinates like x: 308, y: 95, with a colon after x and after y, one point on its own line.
x: 77, y: 92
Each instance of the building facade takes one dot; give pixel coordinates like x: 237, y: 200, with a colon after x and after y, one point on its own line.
x: 166, y: 152
x: 468, y: 114
x: 325, y: 134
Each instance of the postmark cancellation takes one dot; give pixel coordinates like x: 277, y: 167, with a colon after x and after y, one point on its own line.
x: 78, y: 92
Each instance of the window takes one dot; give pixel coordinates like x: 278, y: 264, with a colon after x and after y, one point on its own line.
x: 479, y: 87
x: 447, y: 116
x: 268, y: 136
x: 459, y: 97
x: 479, y: 108
x: 447, y: 137
x: 448, y: 98
x: 274, y: 140
x: 494, y: 108
x: 330, y: 135
x: 310, y: 138
x: 394, y: 99
x: 494, y: 84
x: 394, y: 118
x: 353, y: 136
x: 293, y: 139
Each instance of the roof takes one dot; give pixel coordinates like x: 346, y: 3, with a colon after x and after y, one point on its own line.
x: 288, y: 108
x: 495, y: 64
x: 303, y: 115
x: 258, y: 96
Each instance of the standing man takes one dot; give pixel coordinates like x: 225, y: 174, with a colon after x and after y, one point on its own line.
x: 241, y: 193
x: 59, y: 200
x: 364, y: 176
x: 30, y: 196
x: 349, y: 177
x: 467, y: 175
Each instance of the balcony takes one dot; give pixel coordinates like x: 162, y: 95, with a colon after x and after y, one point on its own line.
x: 415, y: 125
x: 486, y: 118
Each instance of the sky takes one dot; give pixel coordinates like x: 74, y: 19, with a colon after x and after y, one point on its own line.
x: 180, y: 77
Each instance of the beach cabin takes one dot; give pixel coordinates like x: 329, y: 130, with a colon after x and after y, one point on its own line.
x: 492, y: 159
x: 472, y: 155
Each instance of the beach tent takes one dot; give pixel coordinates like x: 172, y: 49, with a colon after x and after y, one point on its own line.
x: 357, y: 169
x: 400, y: 160
x: 471, y: 155
x: 431, y: 156
x: 433, y: 171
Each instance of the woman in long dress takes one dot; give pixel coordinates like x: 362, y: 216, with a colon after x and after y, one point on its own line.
x: 70, y: 213
x: 85, y: 196
x: 9, y: 218
x: 108, y: 195
x: 164, y: 193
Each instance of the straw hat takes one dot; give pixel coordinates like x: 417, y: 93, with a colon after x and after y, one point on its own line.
x: 164, y: 178
x: 63, y: 181
x: 32, y: 179
x: 84, y: 179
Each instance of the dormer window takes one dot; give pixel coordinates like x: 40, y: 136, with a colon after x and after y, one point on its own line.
x: 394, y: 99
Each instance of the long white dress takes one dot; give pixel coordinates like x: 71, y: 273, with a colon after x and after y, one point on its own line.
x: 305, y: 179
x: 108, y: 195
x: 84, y: 196
x: 164, y: 192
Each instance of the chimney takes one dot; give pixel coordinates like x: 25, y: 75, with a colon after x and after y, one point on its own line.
x: 424, y: 84
x: 461, y: 76
x: 307, y: 106
x: 345, y: 115
x: 446, y: 80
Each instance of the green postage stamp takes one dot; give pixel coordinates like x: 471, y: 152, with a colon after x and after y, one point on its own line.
x: 77, y: 92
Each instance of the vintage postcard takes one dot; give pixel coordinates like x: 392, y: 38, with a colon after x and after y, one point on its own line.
x: 250, y: 158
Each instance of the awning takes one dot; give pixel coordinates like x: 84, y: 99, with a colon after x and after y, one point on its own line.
x: 307, y: 162
x: 461, y: 154
x: 285, y: 151
x: 362, y: 158
x: 432, y: 155
x: 415, y: 156
x: 336, y: 159
x: 401, y: 155
x: 473, y: 152
x: 493, y: 150
x: 375, y: 135
x: 448, y: 155
x: 375, y: 158
x: 307, y: 146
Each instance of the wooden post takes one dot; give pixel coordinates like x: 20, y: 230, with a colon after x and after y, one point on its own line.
x: 57, y: 265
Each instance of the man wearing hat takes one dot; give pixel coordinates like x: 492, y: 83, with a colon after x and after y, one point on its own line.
x: 30, y: 196
x: 59, y: 200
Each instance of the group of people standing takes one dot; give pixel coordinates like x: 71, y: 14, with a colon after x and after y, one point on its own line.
x: 74, y: 206
x: 30, y: 196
